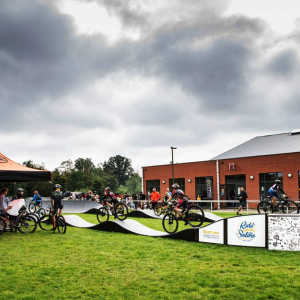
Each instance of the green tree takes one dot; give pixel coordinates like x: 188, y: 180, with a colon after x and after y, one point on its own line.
x: 134, y: 184
x: 120, y: 167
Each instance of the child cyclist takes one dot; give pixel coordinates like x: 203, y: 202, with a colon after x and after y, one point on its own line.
x: 181, y: 197
x: 37, y: 200
x: 109, y: 197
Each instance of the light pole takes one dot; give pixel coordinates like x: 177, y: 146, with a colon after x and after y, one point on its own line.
x: 172, y: 148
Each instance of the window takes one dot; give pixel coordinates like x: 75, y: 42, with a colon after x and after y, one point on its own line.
x: 204, y: 187
x: 299, y: 182
x: 233, y: 185
x: 180, y: 181
x: 150, y: 184
x: 266, y: 180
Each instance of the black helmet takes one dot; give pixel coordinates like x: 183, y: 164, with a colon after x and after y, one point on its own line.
x: 107, y: 188
x: 20, y: 190
x: 175, y: 186
x: 57, y: 186
x: 277, y: 181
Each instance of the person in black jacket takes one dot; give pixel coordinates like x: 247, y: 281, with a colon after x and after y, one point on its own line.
x: 242, y: 197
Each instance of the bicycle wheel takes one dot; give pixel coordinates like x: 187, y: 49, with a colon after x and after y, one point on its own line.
x: 289, y: 207
x: 61, y: 224
x: 121, y: 211
x: 2, y: 226
x: 46, y: 222
x: 27, y: 224
x: 102, y: 215
x: 31, y: 208
x: 170, y: 223
x: 195, y: 216
x: 42, y: 213
x: 157, y: 209
x: 264, y: 207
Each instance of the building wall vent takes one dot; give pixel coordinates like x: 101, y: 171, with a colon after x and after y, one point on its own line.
x: 295, y: 131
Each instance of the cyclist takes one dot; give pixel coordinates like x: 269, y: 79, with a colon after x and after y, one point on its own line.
x: 109, y: 196
x: 56, y: 198
x: 181, y: 197
x: 37, y: 198
x: 19, y: 194
x: 272, y: 192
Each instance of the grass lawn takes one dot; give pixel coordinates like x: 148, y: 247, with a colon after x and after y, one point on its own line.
x: 88, y: 264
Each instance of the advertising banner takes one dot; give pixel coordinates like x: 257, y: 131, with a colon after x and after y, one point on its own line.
x: 248, y: 231
x: 284, y: 232
x: 213, y: 233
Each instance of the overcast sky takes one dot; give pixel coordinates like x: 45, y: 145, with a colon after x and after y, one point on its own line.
x: 100, y: 78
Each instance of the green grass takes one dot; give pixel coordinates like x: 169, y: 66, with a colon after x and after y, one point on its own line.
x: 88, y: 264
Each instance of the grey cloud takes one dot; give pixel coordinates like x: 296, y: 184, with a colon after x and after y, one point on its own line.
x: 284, y: 64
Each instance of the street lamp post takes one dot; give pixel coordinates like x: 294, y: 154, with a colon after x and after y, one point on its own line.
x: 172, y: 148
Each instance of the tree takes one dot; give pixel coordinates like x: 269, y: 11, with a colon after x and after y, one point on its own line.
x: 120, y: 167
x: 86, y: 166
x: 134, y: 183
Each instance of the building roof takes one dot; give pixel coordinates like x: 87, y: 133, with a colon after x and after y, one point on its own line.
x: 265, y: 145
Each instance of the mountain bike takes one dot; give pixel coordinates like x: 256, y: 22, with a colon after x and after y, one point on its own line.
x: 194, y: 216
x: 119, y: 210
x: 286, y: 206
x: 23, y: 222
x: 40, y: 210
x: 161, y: 208
x: 46, y: 222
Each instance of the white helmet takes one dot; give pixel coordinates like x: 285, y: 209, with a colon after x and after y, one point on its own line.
x: 175, y: 186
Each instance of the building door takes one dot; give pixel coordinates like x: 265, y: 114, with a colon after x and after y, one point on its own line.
x: 233, y: 184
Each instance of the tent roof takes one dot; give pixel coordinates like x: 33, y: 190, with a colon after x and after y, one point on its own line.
x: 12, y: 171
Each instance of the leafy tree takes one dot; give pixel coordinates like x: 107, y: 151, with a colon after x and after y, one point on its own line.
x: 120, y: 167
x: 86, y: 166
x: 134, y: 184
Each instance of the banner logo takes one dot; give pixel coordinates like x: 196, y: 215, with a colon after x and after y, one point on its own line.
x: 3, y: 159
x: 246, y: 231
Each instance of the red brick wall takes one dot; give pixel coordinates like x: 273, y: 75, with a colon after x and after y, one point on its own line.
x: 286, y: 163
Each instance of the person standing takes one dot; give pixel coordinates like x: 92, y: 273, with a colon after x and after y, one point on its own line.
x: 243, y: 198
x: 232, y: 197
x: 154, y: 197
x: 142, y: 197
x: 56, y: 201
x: 4, y: 207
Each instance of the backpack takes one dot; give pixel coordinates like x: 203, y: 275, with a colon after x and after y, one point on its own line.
x: 39, y: 197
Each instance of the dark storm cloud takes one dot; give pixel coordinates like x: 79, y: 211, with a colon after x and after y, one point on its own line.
x: 284, y: 64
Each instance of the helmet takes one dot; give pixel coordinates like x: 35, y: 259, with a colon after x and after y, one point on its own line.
x: 175, y: 186
x: 57, y: 186
x: 107, y: 189
x: 277, y: 181
x: 20, y: 190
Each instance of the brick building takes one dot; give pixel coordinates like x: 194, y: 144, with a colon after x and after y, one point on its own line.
x: 254, y: 165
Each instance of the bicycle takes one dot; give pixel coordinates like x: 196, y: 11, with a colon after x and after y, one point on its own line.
x: 119, y: 211
x: 161, y: 208
x: 40, y: 211
x: 287, y: 206
x: 46, y: 222
x: 23, y: 222
x: 194, y: 216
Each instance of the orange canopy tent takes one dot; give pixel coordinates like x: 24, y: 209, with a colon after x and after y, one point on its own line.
x: 13, y: 172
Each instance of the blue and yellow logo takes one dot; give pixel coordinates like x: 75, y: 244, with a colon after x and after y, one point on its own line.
x: 246, y: 231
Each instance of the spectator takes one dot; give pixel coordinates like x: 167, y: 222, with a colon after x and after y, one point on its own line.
x: 20, y: 194
x: 142, y: 197
x: 4, y: 207
x: 242, y: 197
x: 134, y: 198
x: 154, y: 197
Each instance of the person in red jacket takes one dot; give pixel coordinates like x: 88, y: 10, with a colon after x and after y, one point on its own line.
x: 154, y: 197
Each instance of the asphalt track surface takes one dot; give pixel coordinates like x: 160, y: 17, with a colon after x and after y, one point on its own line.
x: 133, y: 227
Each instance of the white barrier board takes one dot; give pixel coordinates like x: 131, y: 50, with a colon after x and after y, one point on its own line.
x: 213, y: 233
x: 248, y: 231
x: 284, y: 232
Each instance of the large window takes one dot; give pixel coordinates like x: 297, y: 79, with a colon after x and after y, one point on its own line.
x: 180, y: 181
x: 233, y: 184
x: 150, y: 184
x: 299, y: 182
x: 266, y: 180
x: 204, y: 188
